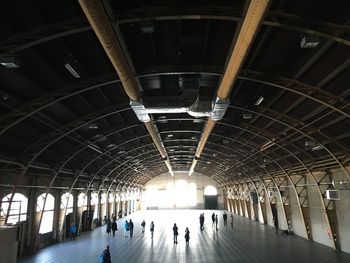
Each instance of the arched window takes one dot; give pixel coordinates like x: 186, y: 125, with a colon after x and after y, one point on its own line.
x: 18, y: 210
x: 82, y: 200
x: 94, y: 202
x: 111, y: 198
x: 67, y: 202
x: 210, y: 190
x: 48, y: 212
x: 103, y: 198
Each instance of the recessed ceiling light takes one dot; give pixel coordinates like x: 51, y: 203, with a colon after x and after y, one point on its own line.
x: 170, y: 135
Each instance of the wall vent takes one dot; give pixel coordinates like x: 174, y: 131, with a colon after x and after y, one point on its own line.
x: 332, y: 195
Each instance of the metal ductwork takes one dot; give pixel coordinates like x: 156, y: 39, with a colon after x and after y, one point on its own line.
x: 98, y: 19
x: 198, y: 109
x: 250, y: 26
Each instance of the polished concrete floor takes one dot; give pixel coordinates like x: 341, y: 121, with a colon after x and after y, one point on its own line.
x: 247, y: 241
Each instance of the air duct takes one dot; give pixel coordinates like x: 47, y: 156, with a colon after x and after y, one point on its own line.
x: 250, y: 26
x: 198, y: 109
x: 98, y: 19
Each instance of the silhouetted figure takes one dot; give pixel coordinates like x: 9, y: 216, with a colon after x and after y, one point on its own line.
x: 105, y: 257
x: 231, y: 221
x: 213, y: 219
x: 151, y: 227
x: 225, y: 218
x: 201, y: 221
x: 108, y: 227
x: 187, y: 235
x: 216, y: 222
x: 176, y: 233
x: 143, y: 225
x: 131, y: 227
x: 275, y: 223
x: 114, y: 227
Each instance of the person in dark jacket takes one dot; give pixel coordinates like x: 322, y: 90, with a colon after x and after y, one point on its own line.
x: 216, y: 222
x: 176, y: 233
x: 201, y: 221
x: 213, y: 219
x: 187, y: 235
x: 225, y: 218
x: 151, y: 227
x: 105, y: 256
x: 114, y: 227
x: 108, y: 227
x: 131, y: 227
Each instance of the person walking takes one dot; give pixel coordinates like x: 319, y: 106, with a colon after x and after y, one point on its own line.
x: 176, y: 233
x: 105, y: 257
x: 216, y: 222
x: 187, y: 235
x: 108, y: 227
x: 72, y: 231
x: 201, y: 221
x: 131, y: 227
x: 151, y: 227
x: 126, y: 229
x: 143, y: 225
x: 114, y: 227
x: 231, y: 221
x: 225, y: 218
x: 213, y: 219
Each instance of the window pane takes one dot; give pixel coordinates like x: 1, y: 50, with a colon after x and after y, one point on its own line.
x: 46, y: 222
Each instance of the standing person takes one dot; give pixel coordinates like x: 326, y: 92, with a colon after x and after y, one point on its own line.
x: 201, y: 221
x: 131, y: 227
x: 231, y: 221
x: 213, y: 219
x: 105, y: 257
x: 72, y: 231
x: 225, y: 218
x: 108, y: 227
x: 176, y: 233
x: 275, y: 223
x: 151, y: 227
x: 143, y: 225
x: 114, y: 227
x: 126, y: 229
x: 216, y: 222
x: 187, y: 235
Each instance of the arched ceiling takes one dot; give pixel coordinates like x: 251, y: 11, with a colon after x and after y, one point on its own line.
x: 81, y: 127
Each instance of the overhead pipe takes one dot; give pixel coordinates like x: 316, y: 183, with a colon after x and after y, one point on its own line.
x: 97, y: 17
x: 253, y: 19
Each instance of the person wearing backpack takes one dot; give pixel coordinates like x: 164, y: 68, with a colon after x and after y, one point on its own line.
x: 105, y: 257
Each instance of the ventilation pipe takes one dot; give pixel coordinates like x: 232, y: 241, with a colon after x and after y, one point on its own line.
x: 250, y: 26
x: 97, y: 17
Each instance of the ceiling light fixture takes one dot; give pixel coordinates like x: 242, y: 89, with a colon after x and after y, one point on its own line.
x: 317, y: 148
x: 247, y: 116
x: 309, y: 41
x: 257, y: 103
x: 72, y: 70
x: 9, y: 62
x: 93, y: 126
